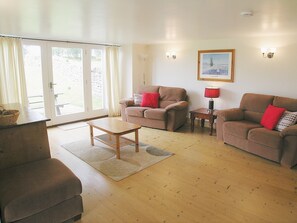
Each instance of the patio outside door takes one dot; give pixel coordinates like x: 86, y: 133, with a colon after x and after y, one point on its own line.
x: 67, y: 84
x: 65, y: 81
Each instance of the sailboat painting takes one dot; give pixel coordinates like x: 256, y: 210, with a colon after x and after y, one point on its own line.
x: 216, y: 65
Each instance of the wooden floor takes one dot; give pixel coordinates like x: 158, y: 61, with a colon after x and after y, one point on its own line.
x: 205, y: 181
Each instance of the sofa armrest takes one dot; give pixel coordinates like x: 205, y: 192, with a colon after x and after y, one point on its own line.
x: 177, y: 106
x: 289, y: 131
x: 233, y: 114
x: 124, y: 104
x: 127, y: 102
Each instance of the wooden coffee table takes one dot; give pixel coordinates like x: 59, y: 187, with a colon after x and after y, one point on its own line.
x: 114, y: 127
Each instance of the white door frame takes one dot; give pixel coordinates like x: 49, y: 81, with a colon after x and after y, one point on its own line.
x: 47, y: 77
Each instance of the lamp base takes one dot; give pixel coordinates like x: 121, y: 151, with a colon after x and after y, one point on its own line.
x: 211, y: 104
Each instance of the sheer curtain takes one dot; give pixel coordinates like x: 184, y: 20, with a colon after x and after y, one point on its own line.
x: 12, y: 74
x: 112, y: 81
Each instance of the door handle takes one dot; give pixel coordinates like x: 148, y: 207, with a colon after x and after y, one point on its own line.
x: 51, y: 84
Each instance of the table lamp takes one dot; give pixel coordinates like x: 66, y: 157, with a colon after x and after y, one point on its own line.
x: 211, y: 92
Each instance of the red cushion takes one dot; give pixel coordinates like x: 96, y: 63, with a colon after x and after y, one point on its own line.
x: 271, y: 116
x: 150, y: 99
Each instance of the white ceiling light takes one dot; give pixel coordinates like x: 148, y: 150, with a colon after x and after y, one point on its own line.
x: 247, y: 13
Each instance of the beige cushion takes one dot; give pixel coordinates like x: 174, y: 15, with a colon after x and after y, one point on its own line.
x: 28, y: 189
x: 136, y: 111
x: 255, y: 102
x: 289, y: 104
x: 170, y: 95
x: 157, y: 114
x: 253, y: 116
x: 239, y: 129
x: 144, y: 89
x: 265, y: 137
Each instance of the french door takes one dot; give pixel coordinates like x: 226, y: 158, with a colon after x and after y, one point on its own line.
x: 65, y: 81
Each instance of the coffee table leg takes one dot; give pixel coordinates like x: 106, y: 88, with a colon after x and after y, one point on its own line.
x: 118, y: 146
x: 136, y: 141
x: 92, y: 135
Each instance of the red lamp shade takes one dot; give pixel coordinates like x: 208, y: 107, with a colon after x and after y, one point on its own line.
x: 212, y: 92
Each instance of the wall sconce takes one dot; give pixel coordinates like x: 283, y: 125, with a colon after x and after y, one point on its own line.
x: 171, y: 54
x: 268, y: 52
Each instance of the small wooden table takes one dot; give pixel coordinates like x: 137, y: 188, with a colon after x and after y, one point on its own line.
x: 116, y: 128
x: 202, y: 114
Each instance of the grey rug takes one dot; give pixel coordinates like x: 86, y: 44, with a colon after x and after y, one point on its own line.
x: 103, y: 158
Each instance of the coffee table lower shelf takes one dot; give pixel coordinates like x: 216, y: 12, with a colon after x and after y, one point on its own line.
x: 111, y: 141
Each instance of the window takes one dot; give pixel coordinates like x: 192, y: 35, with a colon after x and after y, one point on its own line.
x: 68, y: 84
x: 97, y: 78
x: 34, y: 80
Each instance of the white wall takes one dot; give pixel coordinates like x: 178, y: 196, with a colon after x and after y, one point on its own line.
x: 140, y: 66
x: 253, y: 73
x: 126, y: 79
x: 134, y: 68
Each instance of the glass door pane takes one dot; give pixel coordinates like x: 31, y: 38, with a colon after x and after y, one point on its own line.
x: 33, y: 73
x: 68, y: 83
x: 97, y: 78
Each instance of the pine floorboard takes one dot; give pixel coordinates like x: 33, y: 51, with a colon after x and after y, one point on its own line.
x: 205, y: 181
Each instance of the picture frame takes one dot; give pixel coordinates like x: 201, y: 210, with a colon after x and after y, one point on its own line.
x: 216, y: 65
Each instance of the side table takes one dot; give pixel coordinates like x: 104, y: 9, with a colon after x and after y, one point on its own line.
x: 202, y: 114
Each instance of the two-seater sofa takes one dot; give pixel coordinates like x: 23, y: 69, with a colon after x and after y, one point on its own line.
x: 241, y: 128
x: 170, y: 114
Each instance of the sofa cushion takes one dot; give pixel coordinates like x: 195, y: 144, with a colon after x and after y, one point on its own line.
x: 31, y: 188
x: 158, y: 114
x: 136, y: 111
x: 150, y: 99
x: 148, y: 88
x: 265, y: 137
x: 253, y: 116
x: 170, y: 95
x: 289, y: 104
x: 239, y: 129
x: 255, y: 102
x: 271, y: 116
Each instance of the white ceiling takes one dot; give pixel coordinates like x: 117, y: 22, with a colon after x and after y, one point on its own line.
x: 146, y: 21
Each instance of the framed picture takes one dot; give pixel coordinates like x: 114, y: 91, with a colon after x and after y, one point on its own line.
x: 216, y: 65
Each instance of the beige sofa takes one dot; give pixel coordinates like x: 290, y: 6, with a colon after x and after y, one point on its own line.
x: 171, y: 114
x: 241, y: 128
